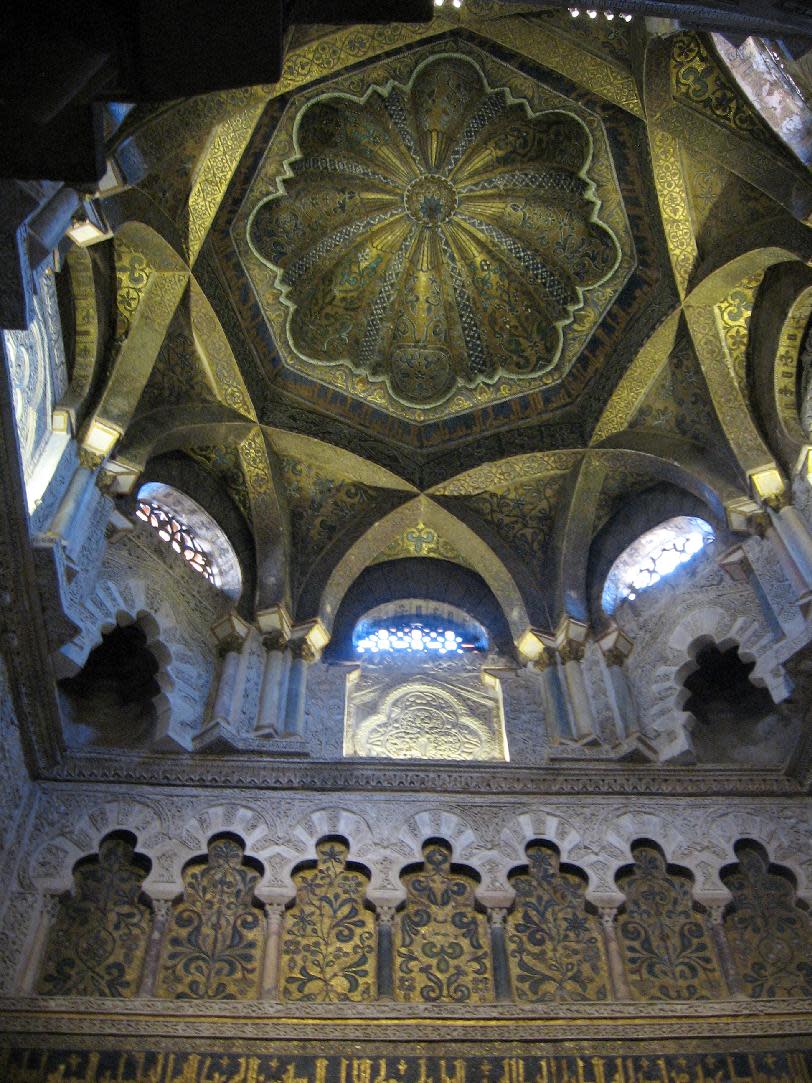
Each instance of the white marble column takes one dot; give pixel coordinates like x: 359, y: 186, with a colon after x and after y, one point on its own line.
x: 796, y: 537
x: 70, y: 518
x: 555, y: 707
x: 615, y: 649
x: 270, y: 967
x: 271, y: 699
x: 301, y: 655
x: 571, y: 654
x: 227, y: 683
x: 617, y: 971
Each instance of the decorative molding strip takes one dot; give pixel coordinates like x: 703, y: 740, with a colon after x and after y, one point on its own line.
x: 295, y: 774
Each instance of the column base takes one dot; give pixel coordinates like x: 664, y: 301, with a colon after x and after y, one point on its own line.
x: 636, y: 749
x: 214, y: 738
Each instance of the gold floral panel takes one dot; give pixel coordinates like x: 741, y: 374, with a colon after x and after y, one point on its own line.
x: 664, y: 939
x: 434, y: 236
x: 329, y: 944
x: 98, y: 941
x: 215, y: 939
x: 442, y: 946
x: 769, y: 936
x: 554, y: 944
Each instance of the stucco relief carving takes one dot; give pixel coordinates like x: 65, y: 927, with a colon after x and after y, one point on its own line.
x: 411, y: 713
x: 668, y: 637
x: 39, y: 377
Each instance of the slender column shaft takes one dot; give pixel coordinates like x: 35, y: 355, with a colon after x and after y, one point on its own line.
x: 270, y: 968
x: 66, y: 513
x: 501, y: 978
x: 583, y: 720
x: 386, y: 916
x: 162, y: 908
x: 726, y: 964
x: 617, y: 971
x: 620, y: 695
x: 268, y: 720
x: 49, y: 906
x: 226, y: 687
x: 301, y: 655
x: 558, y: 723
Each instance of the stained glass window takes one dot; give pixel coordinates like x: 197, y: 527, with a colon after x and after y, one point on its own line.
x: 176, y: 533
x: 654, y: 556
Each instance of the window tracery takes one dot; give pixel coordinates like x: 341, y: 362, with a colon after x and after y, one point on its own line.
x: 176, y: 533
x: 192, y: 533
x: 654, y: 556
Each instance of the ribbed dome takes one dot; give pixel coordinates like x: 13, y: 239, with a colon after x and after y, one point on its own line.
x: 436, y: 234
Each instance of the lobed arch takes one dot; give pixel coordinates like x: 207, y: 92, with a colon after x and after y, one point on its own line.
x: 703, y: 841
x: 470, y: 546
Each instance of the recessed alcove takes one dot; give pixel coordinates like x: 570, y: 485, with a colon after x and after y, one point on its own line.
x: 110, y: 701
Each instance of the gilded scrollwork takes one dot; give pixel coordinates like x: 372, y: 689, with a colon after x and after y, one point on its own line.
x: 442, y: 944
x: 769, y: 935
x: 665, y: 943
x: 214, y: 940
x: 98, y: 942
x: 328, y: 943
x: 555, y: 943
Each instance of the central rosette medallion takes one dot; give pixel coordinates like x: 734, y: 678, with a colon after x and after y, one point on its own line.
x: 434, y: 235
x: 430, y: 200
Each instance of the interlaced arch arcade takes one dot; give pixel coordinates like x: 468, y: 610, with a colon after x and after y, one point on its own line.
x: 406, y: 569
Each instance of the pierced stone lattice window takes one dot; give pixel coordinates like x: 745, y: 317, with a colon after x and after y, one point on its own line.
x: 177, y: 534
x: 655, y: 555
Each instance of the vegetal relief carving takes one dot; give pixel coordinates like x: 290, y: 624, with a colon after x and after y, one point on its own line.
x: 215, y: 938
x: 442, y: 945
x: 97, y: 944
x: 329, y: 943
x: 555, y: 943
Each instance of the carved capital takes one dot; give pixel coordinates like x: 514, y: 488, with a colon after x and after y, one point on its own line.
x: 161, y: 908
x: 50, y: 905
x: 273, y: 916
x: 230, y: 643
x: 571, y: 651
x: 385, y: 914
x: 275, y: 641
x: 545, y: 659
x: 614, y: 656
x: 608, y: 915
x: 496, y: 916
x: 300, y: 648
x: 90, y: 460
